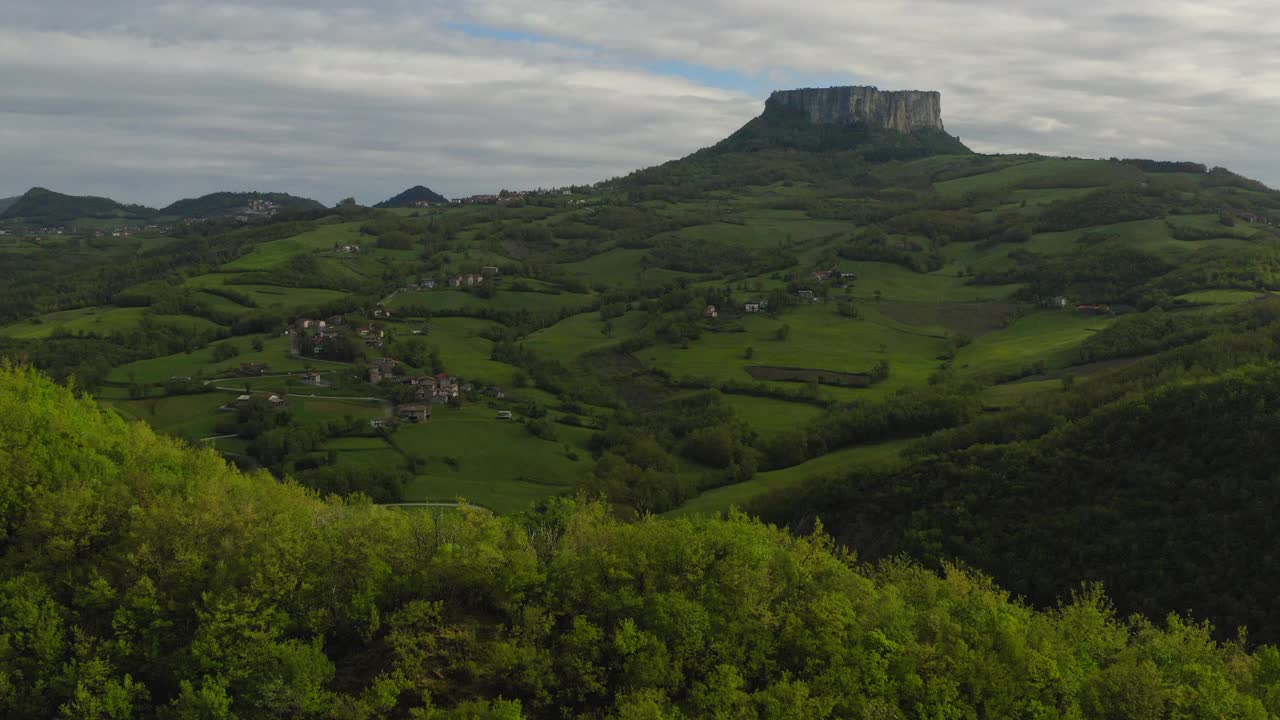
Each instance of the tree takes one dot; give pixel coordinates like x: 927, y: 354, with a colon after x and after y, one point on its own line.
x: 782, y: 332
x: 225, y: 351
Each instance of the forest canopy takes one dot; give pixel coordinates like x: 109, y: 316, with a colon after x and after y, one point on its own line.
x: 143, y: 578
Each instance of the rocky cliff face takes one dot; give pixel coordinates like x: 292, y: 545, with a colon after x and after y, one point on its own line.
x: 904, y: 111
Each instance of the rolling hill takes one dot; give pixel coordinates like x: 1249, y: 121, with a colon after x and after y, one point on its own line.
x: 414, y: 196
x: 225, y: 204
x: 870, y: 326
x: 39, y: 206
x: 6, y: 202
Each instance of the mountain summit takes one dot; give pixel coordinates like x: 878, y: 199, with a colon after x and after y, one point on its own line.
x: 878, y: 125
x: 415, y: 196
x: 905, y: 111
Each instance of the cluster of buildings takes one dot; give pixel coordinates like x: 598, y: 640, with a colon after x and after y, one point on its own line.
x: 834, y: 277
x: 464, y: 280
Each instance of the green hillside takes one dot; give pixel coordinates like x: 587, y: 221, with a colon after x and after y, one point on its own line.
x: 5, y: 203
x: 768, y: 323
x: 143, y: 578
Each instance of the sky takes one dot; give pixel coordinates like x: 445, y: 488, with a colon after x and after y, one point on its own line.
x: 150, y: 101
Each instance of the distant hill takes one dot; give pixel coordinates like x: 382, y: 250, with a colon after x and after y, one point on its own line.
x: 43, y: 206
x: 223, y: 204
x: 6, y: 202
x: 412, y: 197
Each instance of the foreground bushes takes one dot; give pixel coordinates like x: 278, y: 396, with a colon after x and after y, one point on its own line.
x: 145, y: 579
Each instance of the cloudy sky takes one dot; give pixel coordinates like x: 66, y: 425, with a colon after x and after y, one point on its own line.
x: 153, y: 100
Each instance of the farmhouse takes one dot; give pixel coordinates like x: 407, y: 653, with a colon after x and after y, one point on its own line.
x: 253, y: 369
x: 377, y: 423
x: 244, y: 400
x: 311, y: 378
x: 414, y: 413
x: 494, y: 391
x: 848, y: 276
x: 504, y: 414
x: 489, y: 270
x: 807, y: 296
x: 711, y: 312
x: 1056, y: 302
x: 751, y: 307
x: 455, y: 281
x: 822, y: 275
x: 277, y: 402
x: 381, y: 313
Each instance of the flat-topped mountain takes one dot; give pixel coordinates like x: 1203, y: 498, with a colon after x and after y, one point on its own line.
x: 905, y: 111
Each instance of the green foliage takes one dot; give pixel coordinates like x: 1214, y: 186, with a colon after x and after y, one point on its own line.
x: 169, y: 584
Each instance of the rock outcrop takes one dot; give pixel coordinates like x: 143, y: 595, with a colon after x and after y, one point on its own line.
x: 905, y: 111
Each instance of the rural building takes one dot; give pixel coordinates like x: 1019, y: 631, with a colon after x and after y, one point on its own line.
x: 381, y: 313
x: 311, y: 378
x: 807, y: 296
x: 494, y: 391
x: 244, y: 400
x: 253, y: 369
x: 455, y: 281
x: 848, y: 277
x: 822, y: 275
x: 752, y: 307
x: 377, y: 423
x: 414, y: 413
x: 489, y: 270
x: 1057, y: 302
x: 711, y: 312
x: 504, y: 414
x: 277, y: 402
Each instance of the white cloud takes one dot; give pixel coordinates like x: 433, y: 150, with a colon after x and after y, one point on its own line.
x: 150, y: 100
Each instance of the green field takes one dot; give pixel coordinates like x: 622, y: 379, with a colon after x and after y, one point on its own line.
x: 465, y: 352
x: 1220, y: 297
x: 275, y: 352
x: 767, y: 415
x: 1011, y: 176
x: 499, y: 464
x: 268, y: 255
x: 622, y: 268
x: 192, y: 416
x: 579, y: 334
x: 1050, y: 336
x: 819, y: 339
x: 433, y: 301
x: 98, y: 320
x: 721, y: 499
